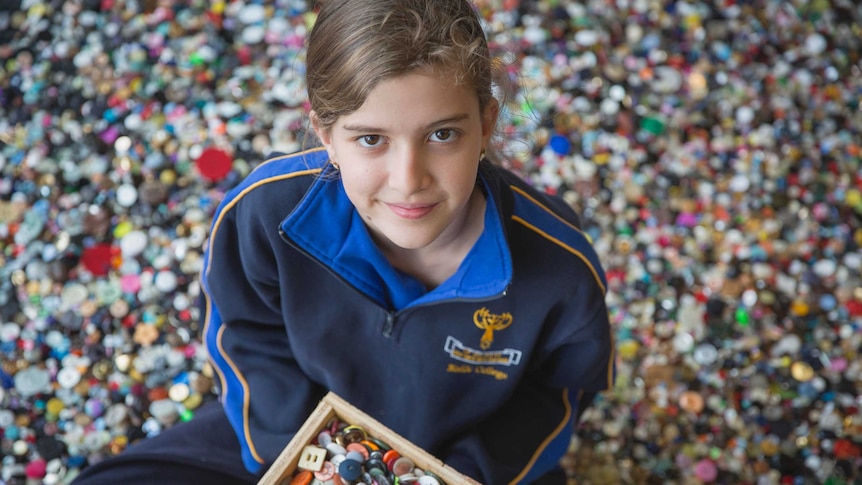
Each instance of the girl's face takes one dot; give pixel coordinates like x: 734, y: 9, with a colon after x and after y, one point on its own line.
x: 408, y: 158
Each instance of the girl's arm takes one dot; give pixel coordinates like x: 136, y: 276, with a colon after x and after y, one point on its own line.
x: 265, y: 394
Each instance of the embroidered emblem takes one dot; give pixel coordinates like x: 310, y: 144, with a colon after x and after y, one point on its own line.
x: 483, y: 361
x: 490, y: 322
x: 459, y: 351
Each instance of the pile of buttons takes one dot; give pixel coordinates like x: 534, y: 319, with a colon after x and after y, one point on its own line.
x: 345, y: 454
x: 712, y: 148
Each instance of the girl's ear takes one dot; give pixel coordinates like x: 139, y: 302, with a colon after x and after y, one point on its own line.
x: 323, y: 134
x: 489, y: 119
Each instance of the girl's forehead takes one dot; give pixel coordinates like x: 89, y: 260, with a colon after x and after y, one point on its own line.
x: 418, y: 98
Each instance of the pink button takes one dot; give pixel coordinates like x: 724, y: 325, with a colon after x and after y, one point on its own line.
x: 130, y: 283
x: 705, y: 471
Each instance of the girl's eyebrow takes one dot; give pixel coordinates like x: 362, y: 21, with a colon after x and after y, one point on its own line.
x: 372, y: 129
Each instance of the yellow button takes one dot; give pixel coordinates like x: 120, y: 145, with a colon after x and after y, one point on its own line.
x: 801, y: 371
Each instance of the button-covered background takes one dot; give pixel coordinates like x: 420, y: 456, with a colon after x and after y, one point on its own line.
x: 713, y: 148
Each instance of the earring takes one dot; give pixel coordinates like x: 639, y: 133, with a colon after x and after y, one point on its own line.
x: 482, y: 154
x: 334, y: 163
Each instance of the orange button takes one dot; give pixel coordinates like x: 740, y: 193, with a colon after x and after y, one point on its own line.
x: 302, y: 478
x: 691, y: 401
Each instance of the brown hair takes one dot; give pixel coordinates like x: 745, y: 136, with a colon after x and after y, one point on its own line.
x: 355, y: 44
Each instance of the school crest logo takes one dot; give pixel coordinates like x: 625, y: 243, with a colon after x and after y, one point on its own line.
x: 490, y: 323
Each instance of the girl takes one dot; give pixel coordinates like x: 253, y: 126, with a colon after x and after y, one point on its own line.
x: 397, y: 267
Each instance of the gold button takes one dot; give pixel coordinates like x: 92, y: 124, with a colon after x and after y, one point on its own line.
x: 801, y: 371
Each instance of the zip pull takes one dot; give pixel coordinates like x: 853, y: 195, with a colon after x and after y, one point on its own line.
x: 389, y: 325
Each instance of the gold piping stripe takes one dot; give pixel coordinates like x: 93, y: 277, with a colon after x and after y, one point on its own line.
x: 247, y: 190
x: 546, y: 209
x: 547, y: 441
x: 289, y: 155
x: 244, y: 384
x: 564, y: 246
x: 579, y: 254
x: 216, y: 368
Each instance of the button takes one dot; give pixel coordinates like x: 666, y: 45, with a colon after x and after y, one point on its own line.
x: 801, y: 371
x: 326, y: 472
x: 179, y: 392
x: 127, y: 195
x: 68, y: 377
x: 336, y: 449
x: 350, y: 469
x: 214, y: 164
x: 164, y: 410
x: 353, y: 434
x: 312, y: 458
x: 691, y: 401
x: 32, y: 381
x: 302, y: 478
x: 402, y: 465
x: 354, y: 448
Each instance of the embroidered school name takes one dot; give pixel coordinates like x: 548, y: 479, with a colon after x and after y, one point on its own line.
x: 479, y: 361
x: 478, y: 369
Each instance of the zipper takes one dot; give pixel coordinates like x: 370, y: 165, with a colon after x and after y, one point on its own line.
x: 391, y: 315
x: 389, y: 325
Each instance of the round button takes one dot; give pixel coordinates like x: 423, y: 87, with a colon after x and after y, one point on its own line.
x: 214, y: 164
x: 801, y: 371
x: 354, y: 434
x: 402, y: 466
x: 32, y: 380
x: 9, y: 332
x: 691, y: 401
x: 358, y: 448
x: 705, y: 354
x: 324, y: 438
x: 327, y: 472
x: 127, y: 195
x: 68, y: 377
x: 179, y: 392
x: 302, y: 478
x: 350, y: 469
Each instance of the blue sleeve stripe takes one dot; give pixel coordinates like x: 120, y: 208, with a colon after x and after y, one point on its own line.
x: 552, y: 448
x: 235, y: 389
x: 535, y: 216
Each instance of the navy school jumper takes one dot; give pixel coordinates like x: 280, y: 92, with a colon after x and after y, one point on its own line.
x: 484, y: 371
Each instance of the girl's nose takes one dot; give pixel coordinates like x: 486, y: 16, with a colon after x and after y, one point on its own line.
x: 407, y: 172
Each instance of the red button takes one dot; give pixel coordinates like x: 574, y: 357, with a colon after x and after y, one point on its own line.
x: 214, y: 164
x: 97, y: 258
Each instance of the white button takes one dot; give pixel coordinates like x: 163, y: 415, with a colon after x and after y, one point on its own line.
x: 133, y: 243
x: 127, y: 195
x: 9, y: 332
x: 68, y: 377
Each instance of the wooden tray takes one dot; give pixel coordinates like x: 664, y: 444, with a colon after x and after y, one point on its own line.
x: 332, y: 406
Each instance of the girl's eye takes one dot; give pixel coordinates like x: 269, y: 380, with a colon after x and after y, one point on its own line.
x: 369, y: 141
x: 442, y: 135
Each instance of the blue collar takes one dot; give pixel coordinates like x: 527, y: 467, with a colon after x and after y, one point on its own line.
x: 326, y: 225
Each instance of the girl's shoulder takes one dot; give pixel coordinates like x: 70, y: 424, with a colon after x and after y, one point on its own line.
x: 524, y: 198
x: 280, y: 166
x: 278, y: 183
